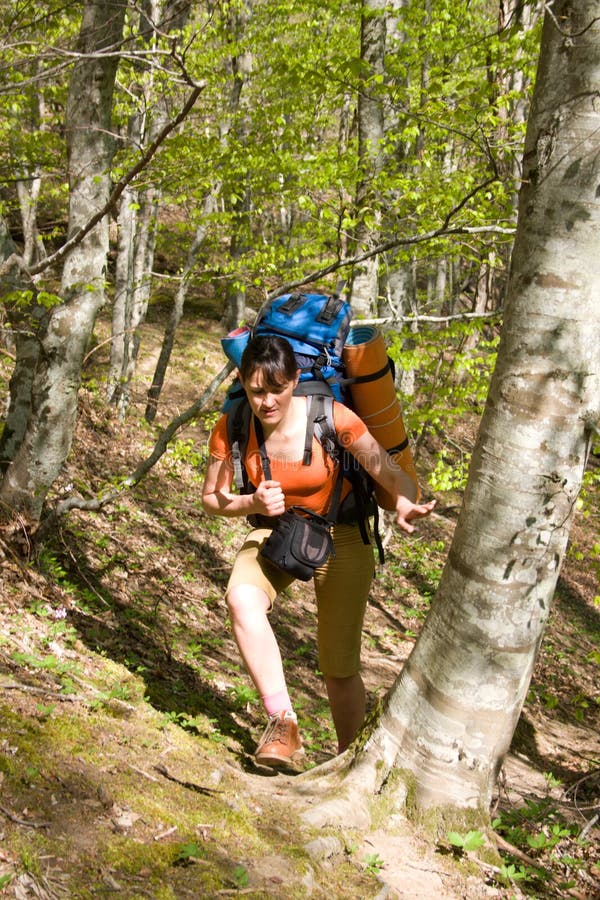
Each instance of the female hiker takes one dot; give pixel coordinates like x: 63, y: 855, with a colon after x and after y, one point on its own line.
x: 269, y: 375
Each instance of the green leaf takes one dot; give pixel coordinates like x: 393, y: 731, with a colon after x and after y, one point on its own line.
x: 456, y: 839
x: 189, y: 851
x: 473, y: 840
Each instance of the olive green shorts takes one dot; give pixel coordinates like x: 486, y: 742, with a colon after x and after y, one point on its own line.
x: 341, y: 588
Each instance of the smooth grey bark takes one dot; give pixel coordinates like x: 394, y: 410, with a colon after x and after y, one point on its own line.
x: 447, y: 723
x: 512, y: 14
x: 55, y: 383
x: 28, y: 191
x: 27, y: 319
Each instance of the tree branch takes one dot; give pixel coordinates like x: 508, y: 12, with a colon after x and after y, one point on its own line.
x: 408, y: 319
x: 443, y: 231
x: 120, y: 185
x: 97, y: 503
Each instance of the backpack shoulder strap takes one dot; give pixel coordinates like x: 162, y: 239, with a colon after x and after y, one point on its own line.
x: 238, y: 430
x: 322, y: 426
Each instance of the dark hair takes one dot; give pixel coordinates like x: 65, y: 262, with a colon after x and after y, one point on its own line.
x: 273, y: 355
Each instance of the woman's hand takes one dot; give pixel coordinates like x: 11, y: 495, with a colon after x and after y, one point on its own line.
x: 386, y: 472
x: 406, y: 511
x: 269, y: 499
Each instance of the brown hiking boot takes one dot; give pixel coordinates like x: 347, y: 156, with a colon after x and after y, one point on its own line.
x: 281, y: 743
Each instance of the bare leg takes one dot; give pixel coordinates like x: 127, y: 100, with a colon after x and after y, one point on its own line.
x: 254, y: 636
x: 348, y: 705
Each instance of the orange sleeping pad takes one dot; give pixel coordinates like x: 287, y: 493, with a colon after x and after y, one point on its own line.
x: 374, y: 399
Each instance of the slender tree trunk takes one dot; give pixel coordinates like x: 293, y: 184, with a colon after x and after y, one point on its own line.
x: 121, y: 312
x: 27, y: 320
x: 136, y: 295
x: 512, y: 14
x: 398, y: 289
x: 364, y: 294
x: 175, y: 317
x: 235, y: 297
x: 449, y: 719
x: 49, y: 432
x: 138, y: 218
x: 28, y: 191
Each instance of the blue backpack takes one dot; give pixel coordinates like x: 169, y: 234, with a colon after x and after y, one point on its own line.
x: 316, y: 326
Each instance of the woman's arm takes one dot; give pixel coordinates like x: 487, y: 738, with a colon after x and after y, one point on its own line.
x: 386, y: 472
x: 219, y: 500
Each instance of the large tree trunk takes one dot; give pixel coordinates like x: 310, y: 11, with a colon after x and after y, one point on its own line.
x: 49, y: 432
x: 450, y: 717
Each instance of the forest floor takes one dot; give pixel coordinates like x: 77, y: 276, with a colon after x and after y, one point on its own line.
x: 128, y: 724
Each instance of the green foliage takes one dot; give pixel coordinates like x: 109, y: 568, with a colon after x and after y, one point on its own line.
x: 240, y: 876
x: 275, y: 139
x: 186, y: 451
x: 50, y: 663
x: 539, y: 829
x: 468, y: 842
x: 243, y: 694
x: 591, y: 555
x: 374, y: 863
x: 189, y: 852
x: 453, y: 382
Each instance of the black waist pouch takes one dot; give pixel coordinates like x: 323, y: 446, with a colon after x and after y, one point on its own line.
x: 299, y: 543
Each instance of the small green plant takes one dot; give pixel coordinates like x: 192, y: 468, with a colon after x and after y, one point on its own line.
x: 49, y: 663
x: 44, y: 711
x: 545, y: 840
x: 30, y: 862
x: 117, y: 692
x: 4, y: 880
x: 540, y: 830
x: 449, y: 474
x: 190, y: 723
x: 240, y: 876
x: 186, y: 451
x: 374, y: 863
x: 187, y: 853
x: 243, y: 694
x: 466, y: 843
x: 509, y: 873
x: 551, y: 780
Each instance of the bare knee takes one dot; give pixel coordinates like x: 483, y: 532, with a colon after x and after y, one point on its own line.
x: 246, y: 600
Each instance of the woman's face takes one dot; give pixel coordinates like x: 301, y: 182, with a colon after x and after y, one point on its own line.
x: 268, y: 402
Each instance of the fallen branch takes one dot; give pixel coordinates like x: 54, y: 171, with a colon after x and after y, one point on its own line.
x: 97, y: 503
x: 53, y: 695
x: 190, y: 785
x: 17, y: 821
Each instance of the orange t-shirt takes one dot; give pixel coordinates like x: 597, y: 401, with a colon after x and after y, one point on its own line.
x: 309, y: 486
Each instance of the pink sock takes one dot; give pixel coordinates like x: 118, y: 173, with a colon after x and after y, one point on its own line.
x: 274, y: 703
